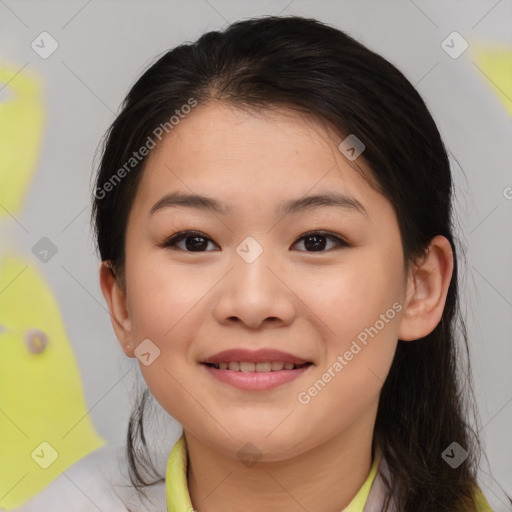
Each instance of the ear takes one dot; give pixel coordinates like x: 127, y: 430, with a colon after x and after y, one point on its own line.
x: 115, y: 297
x: 427, y: 287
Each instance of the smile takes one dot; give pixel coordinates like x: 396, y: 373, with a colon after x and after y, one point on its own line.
x: 262, y: 367
x: 250, y: 376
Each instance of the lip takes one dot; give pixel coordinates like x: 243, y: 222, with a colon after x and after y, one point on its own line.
x: 256, y: 381
x: 254, y: 356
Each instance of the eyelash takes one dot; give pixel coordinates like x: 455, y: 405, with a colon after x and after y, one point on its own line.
x: 182, y: 235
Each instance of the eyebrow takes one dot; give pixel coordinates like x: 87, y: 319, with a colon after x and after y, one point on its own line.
x: 302, y: 204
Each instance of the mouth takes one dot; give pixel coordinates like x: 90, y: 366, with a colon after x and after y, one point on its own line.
x: 255, y: 370
x: 260, y: 370
x: 262, y: 360
x: 256, y: 367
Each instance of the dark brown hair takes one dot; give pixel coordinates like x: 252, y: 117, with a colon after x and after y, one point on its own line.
x: 268, y: 62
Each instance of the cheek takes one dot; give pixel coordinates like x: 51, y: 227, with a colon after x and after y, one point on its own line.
x: 163, y: 302
x: 357, y: 360
x: 171, y: 387
x: 360, y: 312
x: 161, y: 295
x: 350, y: 297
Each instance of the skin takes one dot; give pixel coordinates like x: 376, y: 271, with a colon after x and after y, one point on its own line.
x: 310, y: 303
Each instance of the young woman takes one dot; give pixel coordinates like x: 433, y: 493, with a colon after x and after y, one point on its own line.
x: 273, y: 212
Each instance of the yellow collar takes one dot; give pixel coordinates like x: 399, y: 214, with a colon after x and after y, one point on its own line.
x: 178, y: 498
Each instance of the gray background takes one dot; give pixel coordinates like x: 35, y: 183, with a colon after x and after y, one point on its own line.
x: 103, y: 47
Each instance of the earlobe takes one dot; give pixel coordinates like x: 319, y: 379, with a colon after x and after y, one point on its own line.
x: 427, y: 288
x: 115, y: 297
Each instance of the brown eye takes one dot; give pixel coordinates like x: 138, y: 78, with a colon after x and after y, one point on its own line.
x: 316, y: 241
x: 194, y: 241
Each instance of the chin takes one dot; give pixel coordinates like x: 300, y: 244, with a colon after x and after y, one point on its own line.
x: 261, y: 446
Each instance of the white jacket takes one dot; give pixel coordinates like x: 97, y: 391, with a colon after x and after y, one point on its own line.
x: 98, y: 482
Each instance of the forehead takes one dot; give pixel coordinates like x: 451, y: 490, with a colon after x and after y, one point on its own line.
x: 250, y: 157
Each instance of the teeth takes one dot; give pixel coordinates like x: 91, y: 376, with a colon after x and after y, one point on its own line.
x: 247, y: 367
x: 263, y: 367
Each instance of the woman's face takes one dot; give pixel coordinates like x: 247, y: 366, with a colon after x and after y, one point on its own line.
x: 251, y: 281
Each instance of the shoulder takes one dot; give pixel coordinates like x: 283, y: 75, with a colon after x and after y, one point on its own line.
x: 379, y: 492
x: 481, y: 503
x: 98, y: 481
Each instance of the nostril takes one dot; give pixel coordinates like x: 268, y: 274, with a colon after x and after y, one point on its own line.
x: 36, y: 340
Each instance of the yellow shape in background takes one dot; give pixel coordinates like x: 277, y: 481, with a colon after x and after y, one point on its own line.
x: 496, y: 63
x: 21, y: 122
x: 44, y: 425
x: 43, y: 418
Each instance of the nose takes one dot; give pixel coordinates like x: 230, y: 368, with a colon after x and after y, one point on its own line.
x: 254, y: 293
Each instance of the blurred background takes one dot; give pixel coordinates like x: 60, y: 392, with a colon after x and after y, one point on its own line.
x: 65, y: 67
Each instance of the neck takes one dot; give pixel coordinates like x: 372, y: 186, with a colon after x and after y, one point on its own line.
x: 323, y: 479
